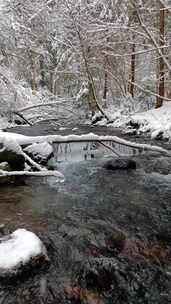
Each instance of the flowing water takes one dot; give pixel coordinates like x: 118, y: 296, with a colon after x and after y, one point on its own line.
x: 108, y: 234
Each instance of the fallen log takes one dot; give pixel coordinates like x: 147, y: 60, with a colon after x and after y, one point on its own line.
x: 42, y: 173
x: 91, y: 137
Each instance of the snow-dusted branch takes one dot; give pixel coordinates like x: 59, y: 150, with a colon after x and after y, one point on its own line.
x: 149, y: 91
x: 55, y: 103
x: 43, y: 173
x: 32, y: 162
x: 135, y: 53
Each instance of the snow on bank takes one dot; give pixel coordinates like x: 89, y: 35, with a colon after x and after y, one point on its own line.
x: 18, y: 248
x: 155, y: 121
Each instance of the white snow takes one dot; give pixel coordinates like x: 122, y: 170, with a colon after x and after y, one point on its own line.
x: 9, y: 144
x: 12, y: 136
x: 19, y: 247
x: 62, y: 128
x: 74, y: 129
x: 43, y: 173
x: 43, y: 149
x: 155, y: 121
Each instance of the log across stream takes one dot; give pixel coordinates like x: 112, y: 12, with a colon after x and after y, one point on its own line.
x: 107, y: 233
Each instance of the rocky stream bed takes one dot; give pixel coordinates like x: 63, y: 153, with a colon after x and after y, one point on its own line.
x: 107, y: 233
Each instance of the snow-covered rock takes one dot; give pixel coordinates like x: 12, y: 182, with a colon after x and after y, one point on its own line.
x: 40, y: 152
x: 20, y: 251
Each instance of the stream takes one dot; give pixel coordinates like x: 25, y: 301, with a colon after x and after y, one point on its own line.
x: 108, y: 233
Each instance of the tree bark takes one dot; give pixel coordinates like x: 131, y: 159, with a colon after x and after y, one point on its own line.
x: 42, y: 71
x: 161, y: 88
x: 33, y: 81
x: 132, y: 69
x: 52, y: 82
x: 105, y: 90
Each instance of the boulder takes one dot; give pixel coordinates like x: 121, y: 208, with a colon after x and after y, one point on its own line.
x: 120, y: 163
x: 40, y: 152
x: 19, y: 252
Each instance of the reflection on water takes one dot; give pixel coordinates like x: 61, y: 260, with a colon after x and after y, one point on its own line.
x: 72, y: 152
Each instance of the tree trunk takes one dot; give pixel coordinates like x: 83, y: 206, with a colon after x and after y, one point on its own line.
x: 161, y: 88
x: 105, y: 90
x: 42, y: 72
x: 132, y: 69
x: 52, y: 82
x: 33, y: 81
x: 92, y: 99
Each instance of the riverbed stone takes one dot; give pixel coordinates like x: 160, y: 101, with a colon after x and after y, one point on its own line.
x: 123, y: 280
x: 120, y: 163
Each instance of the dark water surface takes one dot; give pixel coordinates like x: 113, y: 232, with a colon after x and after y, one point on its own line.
x: 119, y: 220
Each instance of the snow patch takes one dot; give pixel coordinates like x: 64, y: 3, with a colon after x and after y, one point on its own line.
x: 62, y: 128
x: 43, y: 150
x: 155, y: 121
x: 9, y: 144
x: 18, y: 248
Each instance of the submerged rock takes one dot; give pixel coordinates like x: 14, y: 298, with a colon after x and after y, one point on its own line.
x: 20, y: 251
x: 122, y: 281
x: 40, y: 152
x: 120, y: 163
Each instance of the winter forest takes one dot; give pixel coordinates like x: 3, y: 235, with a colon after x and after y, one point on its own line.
x: 85, y: 155
x: 95, y: 56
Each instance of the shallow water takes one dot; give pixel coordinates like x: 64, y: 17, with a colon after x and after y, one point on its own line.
x: 76, y: 218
